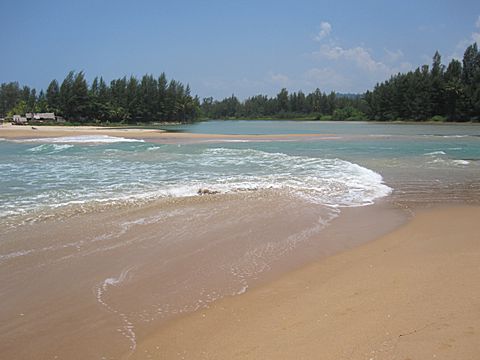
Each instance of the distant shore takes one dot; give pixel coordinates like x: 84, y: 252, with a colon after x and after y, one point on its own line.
x: 19, y: 132
x: 412, y: 294
x: 13, y: 132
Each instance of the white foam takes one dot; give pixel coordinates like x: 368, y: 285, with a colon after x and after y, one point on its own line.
x: 433, y: 153
x: 15, y: 254
x: 333, y: 182
x: 461, y: 162
x: 110, y: 180
x: 128, y: 329
x: 84, y: 139
x: 228, y: 141
x: 50, y: 148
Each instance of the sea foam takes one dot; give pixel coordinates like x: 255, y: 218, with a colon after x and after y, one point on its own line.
x: 84, y: 139
x: 90, y: 178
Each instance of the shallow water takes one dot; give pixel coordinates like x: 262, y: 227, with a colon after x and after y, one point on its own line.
x: 102, y: 239
x: 264, y: 127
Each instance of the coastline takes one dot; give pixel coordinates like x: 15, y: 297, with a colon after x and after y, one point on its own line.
x: 143, y: 275
x: 410, y: 294
x: 12, y: 132
x: 128, y: 262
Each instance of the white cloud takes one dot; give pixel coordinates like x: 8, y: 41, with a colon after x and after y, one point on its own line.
x: 394, y: 55
x: 326, y: 79
x: 325, y: 29
x: 462, y: 44
x: 278, y: 79
x: 351, y: 69
x: 476, y: 37
x: 358, y: 55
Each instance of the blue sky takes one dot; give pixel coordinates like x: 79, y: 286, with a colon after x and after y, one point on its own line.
x: 225, y: 47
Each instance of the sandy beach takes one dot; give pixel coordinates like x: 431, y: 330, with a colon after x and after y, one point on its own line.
x: 151, y: 135
x: 412, y: 294
x: 364, y: 246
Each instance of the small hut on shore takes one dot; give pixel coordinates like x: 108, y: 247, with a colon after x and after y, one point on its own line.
x: 19, y: 120
x: 41, y: 116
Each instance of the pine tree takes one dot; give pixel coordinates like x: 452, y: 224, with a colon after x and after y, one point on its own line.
x: 53, y: 97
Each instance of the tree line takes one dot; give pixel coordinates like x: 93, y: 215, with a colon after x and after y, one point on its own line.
x: 124, y: 100
x: 435, y: 92
x: 438, y: 92
x: 316, y: 105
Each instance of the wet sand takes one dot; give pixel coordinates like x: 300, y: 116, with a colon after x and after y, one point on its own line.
x: 412, y: 294
x: 93, y: 285
x: 224, y: 276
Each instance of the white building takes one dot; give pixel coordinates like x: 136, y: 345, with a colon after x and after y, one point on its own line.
x: 19, y: 120
x: 41, y: 116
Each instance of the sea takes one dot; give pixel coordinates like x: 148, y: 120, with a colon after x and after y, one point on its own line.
x: 103, y: 239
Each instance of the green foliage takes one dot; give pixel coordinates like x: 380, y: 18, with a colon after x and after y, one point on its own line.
x: 123, y: 101
x: 435, y: 93
x: 452, y: 93
x: 19, y: 109
x: 348, y: 113
x: 314, y: 106
x: 438, y: 118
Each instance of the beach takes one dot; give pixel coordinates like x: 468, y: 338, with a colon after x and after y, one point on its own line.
x: 153, y: 135
x: 412, y: 294
x: 258, y: 240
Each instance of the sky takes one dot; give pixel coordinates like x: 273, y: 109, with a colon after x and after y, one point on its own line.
x: 225, y: 47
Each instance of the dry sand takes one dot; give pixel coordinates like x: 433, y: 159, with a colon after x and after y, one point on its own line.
x: 153, y: 135
x: 18, y: 132
x: 412, y: 294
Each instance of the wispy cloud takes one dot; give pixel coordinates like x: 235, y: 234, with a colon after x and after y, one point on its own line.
x: 278, y: 79
x: 462, y: 44
x: 358, y: 55
x: 393, y: 56
x: 352, y: 68
x: 476, y: 35
x: 325, y: 29
x: 326, y: 79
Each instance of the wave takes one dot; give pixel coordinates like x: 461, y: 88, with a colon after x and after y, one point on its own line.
x: 50, y: 148
x: 435, y: 153
x: 332, y: 182
x: 88, y: 139
x: 83, y: 181
x: 461, y: 162
x: 453, y: 136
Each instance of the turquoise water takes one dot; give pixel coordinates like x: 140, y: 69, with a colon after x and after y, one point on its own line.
x: 67, y: 241
x: 264, y: 127
x: 362, y: 163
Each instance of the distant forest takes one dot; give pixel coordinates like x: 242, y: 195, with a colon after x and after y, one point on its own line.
x: 436, y: 92
x: 124, y: 100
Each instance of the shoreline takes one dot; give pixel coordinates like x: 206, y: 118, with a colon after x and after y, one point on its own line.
x: 12, y: 132
x: 412, y: 293
x: 138, y: 270
x: 147, y: 278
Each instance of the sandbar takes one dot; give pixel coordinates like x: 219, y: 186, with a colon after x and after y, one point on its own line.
x: 16, y: 132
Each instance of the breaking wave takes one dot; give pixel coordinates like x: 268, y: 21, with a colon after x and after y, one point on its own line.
x: 85, y: 178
